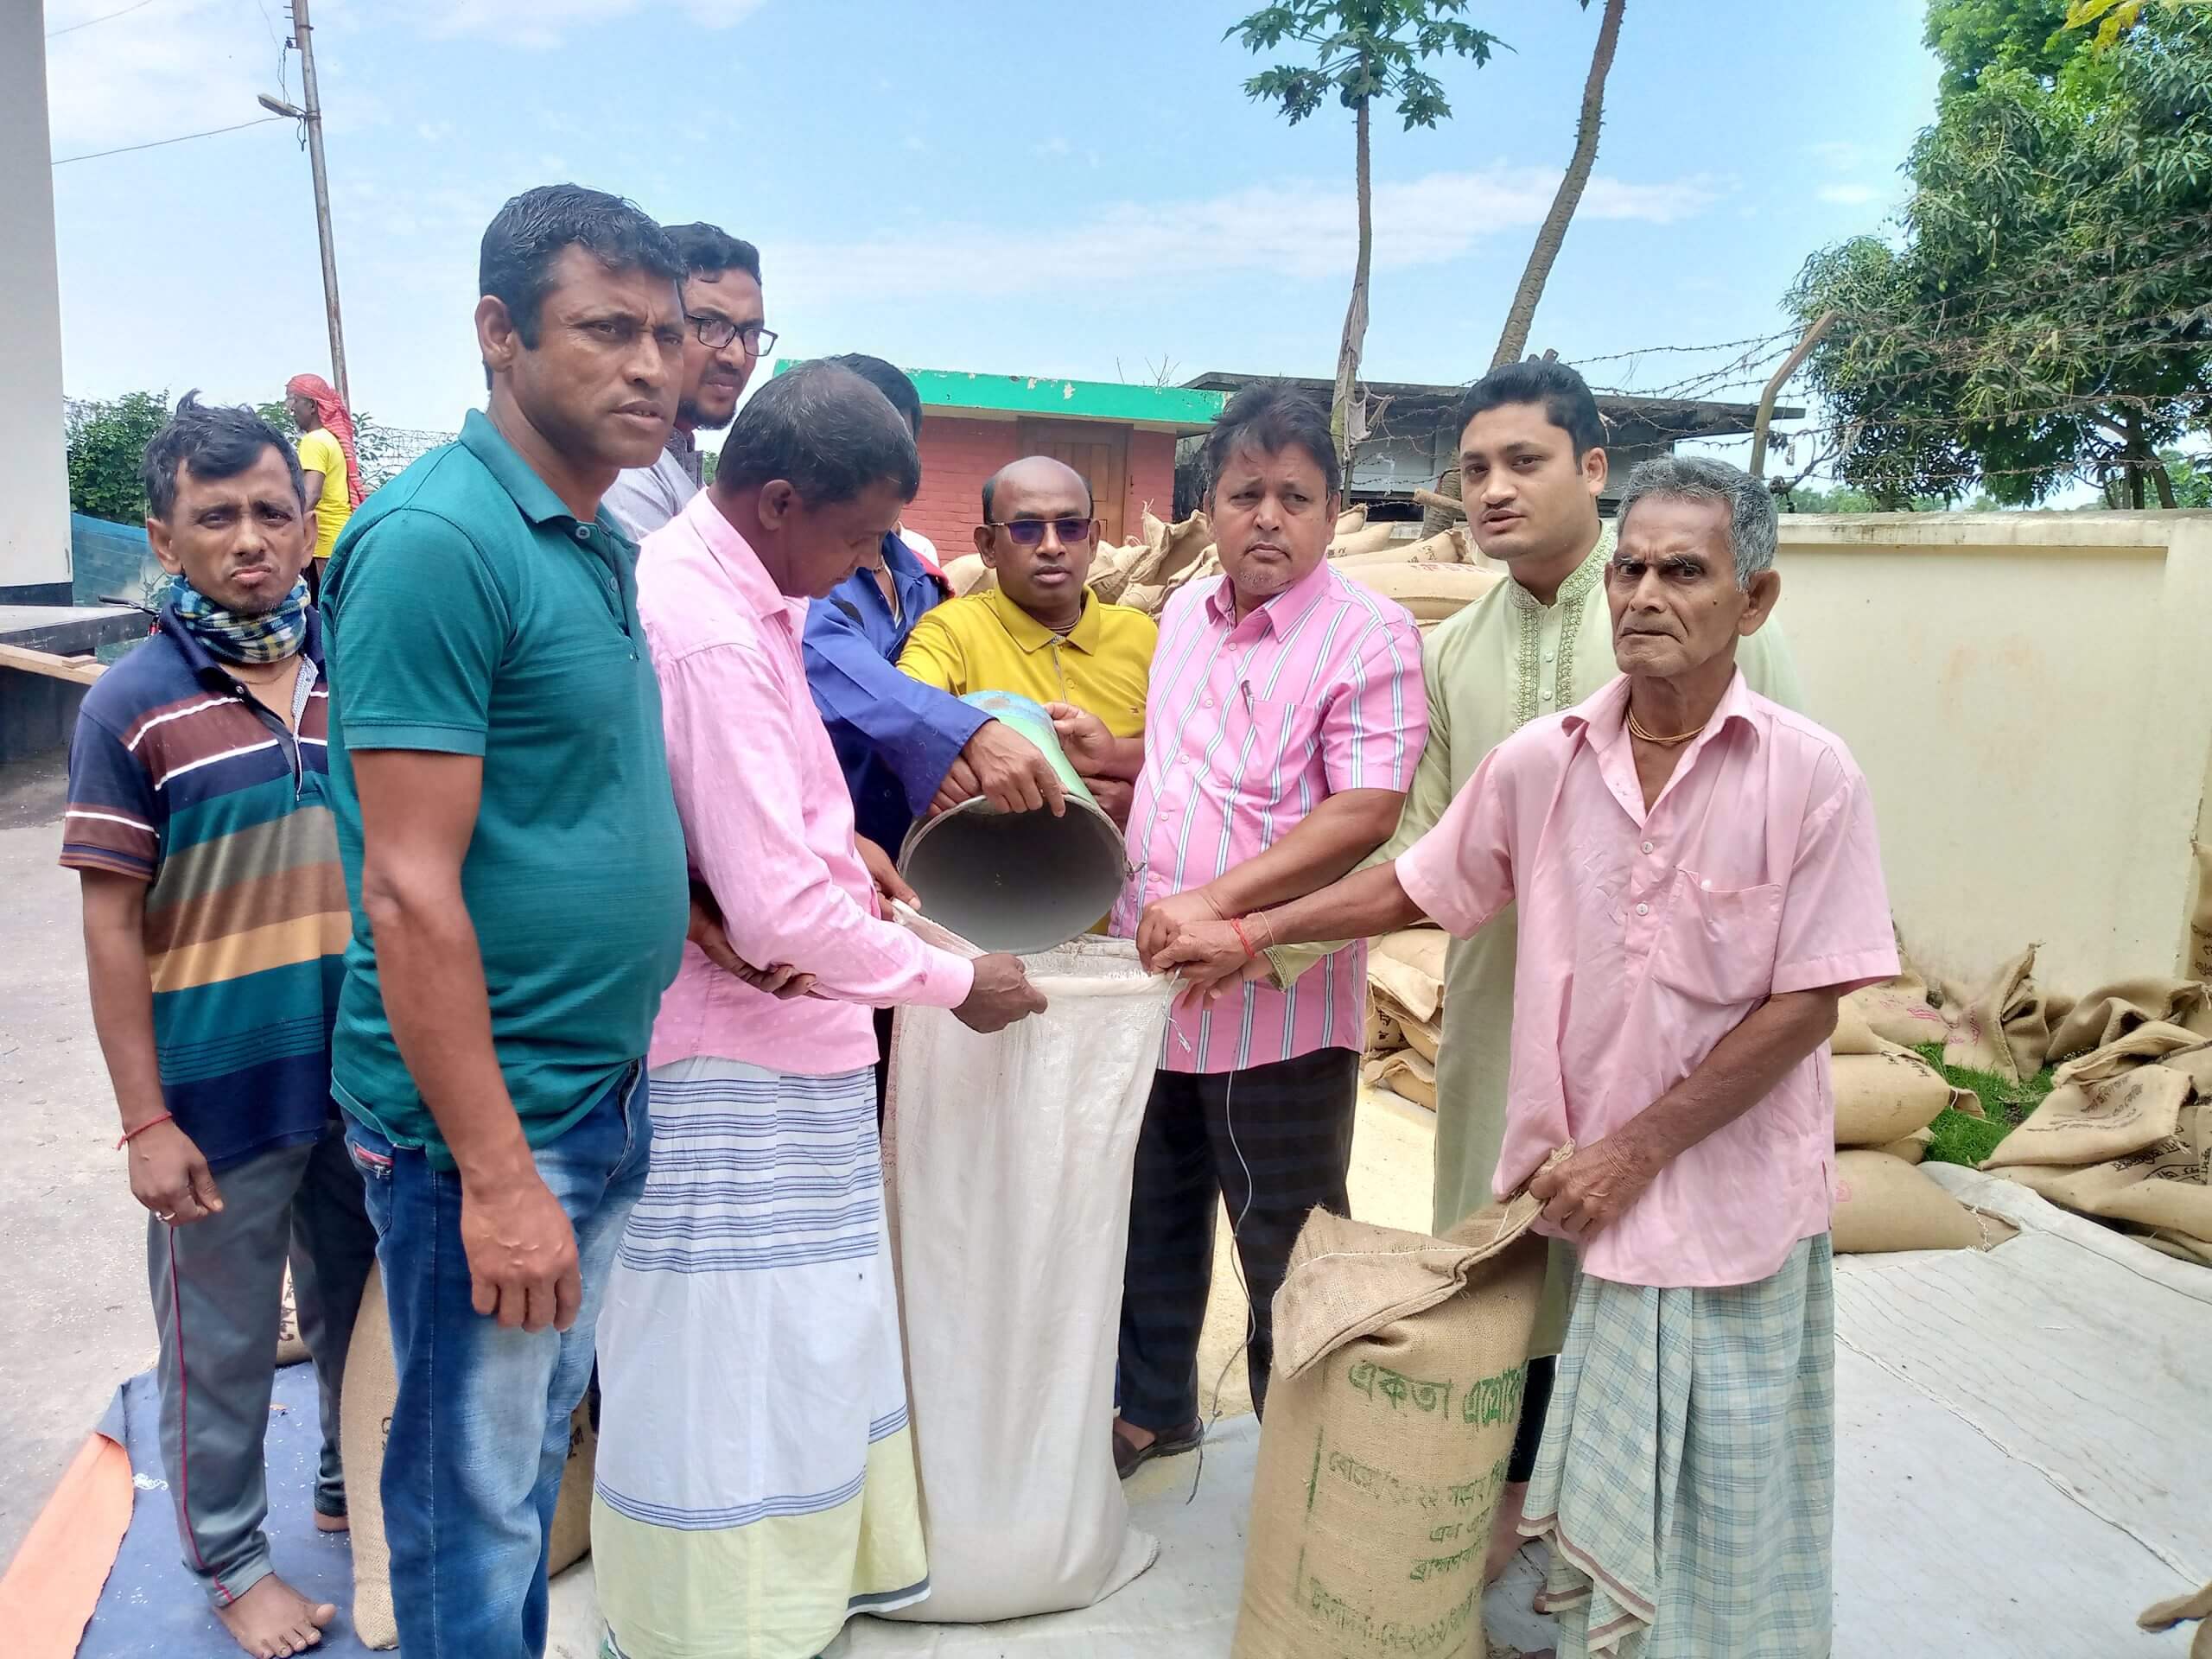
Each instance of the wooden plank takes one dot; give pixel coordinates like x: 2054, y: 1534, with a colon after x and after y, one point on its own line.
x: 83, y: 669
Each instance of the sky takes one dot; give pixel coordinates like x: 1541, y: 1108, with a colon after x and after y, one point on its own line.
x: 991, y: 185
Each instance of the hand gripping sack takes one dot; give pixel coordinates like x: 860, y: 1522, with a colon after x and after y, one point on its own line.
x: 1398, y: 1371
x: 1008, y: 1160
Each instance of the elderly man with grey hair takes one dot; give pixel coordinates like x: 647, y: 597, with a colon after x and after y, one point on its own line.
x: 1698, y: 882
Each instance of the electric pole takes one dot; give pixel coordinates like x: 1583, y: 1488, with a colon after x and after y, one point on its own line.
x: 311, y: 117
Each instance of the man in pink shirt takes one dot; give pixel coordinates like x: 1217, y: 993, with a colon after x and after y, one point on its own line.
x: 756, y: 1479
x: 1699, y: 881
x: 1283, y: 722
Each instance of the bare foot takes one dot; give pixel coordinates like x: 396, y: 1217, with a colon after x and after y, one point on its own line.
x: 331, y: 1523
x: 1505, y: 1539
x: 273, y: 1621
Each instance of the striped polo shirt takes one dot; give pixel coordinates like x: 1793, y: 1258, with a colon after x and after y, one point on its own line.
x: 178, y: 778
x: 1249, y: 725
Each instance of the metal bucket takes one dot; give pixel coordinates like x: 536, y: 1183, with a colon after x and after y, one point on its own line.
x: 1018, y: 882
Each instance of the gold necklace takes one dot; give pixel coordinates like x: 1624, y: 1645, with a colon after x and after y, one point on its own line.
x: 1636, y: 729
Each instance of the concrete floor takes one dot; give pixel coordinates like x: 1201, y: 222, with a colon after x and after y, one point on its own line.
x: 73, y: 1315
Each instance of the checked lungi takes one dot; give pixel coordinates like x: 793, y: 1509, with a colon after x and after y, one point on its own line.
x: 1272, y: 1141
x: 1687, y: 1480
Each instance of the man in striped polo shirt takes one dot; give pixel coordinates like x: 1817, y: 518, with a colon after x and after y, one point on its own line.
x: 215, y: 927
x: 1283, y: 724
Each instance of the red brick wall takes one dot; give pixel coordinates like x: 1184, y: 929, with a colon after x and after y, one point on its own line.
x: 958, y: 455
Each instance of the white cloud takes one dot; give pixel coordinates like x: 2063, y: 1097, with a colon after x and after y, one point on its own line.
x: 185, y: 67
x: 1054, y: 146
x: 1838, y: 154
x: 1847, y: 195
x: 1292, y: 231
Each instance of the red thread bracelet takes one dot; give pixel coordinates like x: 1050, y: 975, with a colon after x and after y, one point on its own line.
x: 130, y: 1136
x: 1236, y: 926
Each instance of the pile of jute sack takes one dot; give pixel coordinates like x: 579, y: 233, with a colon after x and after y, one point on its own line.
x: 1405, y: 1012
x: 1433, y: 578
x: 2124, y: 1137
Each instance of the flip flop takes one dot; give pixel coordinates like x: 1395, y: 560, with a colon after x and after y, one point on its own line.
x: 1129, y: 1457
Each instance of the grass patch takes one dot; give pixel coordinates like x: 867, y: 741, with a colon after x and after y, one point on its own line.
x: 1962, y: 1138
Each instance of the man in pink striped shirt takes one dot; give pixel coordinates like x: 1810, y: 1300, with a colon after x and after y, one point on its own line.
x: 1285, y: 720
x: 752, y: 1304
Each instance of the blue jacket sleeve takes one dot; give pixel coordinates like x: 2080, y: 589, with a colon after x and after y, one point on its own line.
x: 915, y: 729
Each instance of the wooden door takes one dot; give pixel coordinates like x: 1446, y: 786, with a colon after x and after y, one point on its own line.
x: 1098, y: 451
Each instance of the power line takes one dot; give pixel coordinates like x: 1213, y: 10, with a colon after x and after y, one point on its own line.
x: 182, y: 137
x: 105, y: 17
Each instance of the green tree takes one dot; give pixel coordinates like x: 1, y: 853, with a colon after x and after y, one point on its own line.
x: 1968, y: 36
x: 2043, y: 316
x: 1807, y: 497
x: 106, y: 441
x: 1361, y: 50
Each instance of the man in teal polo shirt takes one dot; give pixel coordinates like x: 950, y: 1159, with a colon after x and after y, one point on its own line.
x: 517, y: 876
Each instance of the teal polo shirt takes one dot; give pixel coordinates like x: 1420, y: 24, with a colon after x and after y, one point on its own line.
x: 467, y: 612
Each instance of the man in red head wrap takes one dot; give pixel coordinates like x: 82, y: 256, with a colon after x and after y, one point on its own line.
x: 327, y: 461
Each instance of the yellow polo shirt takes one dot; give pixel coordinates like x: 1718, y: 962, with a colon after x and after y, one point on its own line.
x: 987, y: 643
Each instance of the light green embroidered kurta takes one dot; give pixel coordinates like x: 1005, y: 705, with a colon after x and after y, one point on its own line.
x: 1501, y: 662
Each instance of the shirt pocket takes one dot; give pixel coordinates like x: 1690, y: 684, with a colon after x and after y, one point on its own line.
x: 1277, y: 738
x: 1719, y: 943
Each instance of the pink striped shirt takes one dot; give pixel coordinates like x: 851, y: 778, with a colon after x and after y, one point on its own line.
x: 1249, y: 725
x: 766, y: 820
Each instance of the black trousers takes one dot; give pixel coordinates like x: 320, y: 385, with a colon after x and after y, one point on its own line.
x: 1272, y: 1141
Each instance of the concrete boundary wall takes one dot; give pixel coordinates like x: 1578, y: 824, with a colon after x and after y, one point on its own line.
x: 2030, y: 696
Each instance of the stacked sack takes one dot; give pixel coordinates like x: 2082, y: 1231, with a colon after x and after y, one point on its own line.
x: 1886, y: 1098
x: 2126, y: 1136
x: 1405, y: 1002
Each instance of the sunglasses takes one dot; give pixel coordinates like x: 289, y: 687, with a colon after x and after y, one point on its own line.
x: 1030, y: 532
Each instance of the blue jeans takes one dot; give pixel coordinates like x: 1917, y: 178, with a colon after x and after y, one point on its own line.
x: 479, y: 1430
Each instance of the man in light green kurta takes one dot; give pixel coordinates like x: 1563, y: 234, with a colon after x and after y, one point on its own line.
x: 1532, y: 465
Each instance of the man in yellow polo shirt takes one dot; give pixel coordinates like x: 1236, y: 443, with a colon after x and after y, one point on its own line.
x: 1042, y: 633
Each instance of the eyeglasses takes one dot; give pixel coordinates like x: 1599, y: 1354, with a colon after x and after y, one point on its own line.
x: 1030, y: 532
x: 715, y: 332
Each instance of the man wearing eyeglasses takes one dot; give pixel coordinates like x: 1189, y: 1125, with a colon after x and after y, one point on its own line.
x: 723, y: 341
x: 1041, y: 632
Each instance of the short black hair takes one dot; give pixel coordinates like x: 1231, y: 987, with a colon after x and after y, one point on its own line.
x: 526, y: 236
x: 889, y: 379
x: 826, y: 432
x: 1269, y: 415
x: 219, y: 441
x: 1564, y: 394
x: 991, y: 485
x: 704, y: 247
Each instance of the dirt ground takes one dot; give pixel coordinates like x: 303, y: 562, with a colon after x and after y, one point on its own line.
x: 73, y: 1315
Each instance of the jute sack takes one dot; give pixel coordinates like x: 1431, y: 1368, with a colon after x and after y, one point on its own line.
x: 1353, y: 518
x: 1883, y: 1097
x: 1399, y: 1365
x: 2165, y: 1615
x: 291, y: 1346
x: 1110, y: 571
x: 2090, y: 1122
x: 1407, y: 969
x: 365, y: 1418
x: 1450, y: 548
x: 1408, y: 1074
x: 1370, y: 538
x: 1431, y: 592
x: 1912, y: 1149
x: 1853, y: 1034
x: 1884, y: 1204
x: 968, y: 574
x: 2200, y: 916
x: 1424, y: 1037
x: 1383, y: 1033
x: 2166, y: 1186
x: 2111, y: 1012
x: 1899, y: 1010
x: 2001, y: 1028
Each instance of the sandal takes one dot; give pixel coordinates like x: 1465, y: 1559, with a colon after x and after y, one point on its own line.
x: 1129, y: 1457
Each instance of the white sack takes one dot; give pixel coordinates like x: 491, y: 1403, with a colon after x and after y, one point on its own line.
x: 1007, y: 1164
